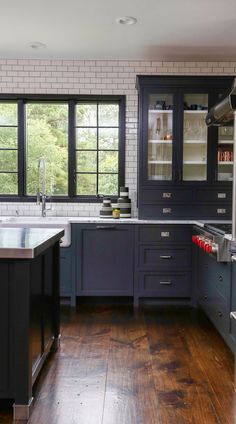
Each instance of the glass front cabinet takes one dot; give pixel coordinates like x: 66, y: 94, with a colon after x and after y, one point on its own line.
x: 185, y: 168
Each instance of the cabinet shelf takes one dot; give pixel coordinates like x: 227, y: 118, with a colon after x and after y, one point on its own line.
x: 195, y: 142
x: 193, y: 162
x: 160, y: 111
x: 225, y: 142
x: 196, y: 112
x: 161, y: 141
x: 160, y: 162
x: 225, y: 163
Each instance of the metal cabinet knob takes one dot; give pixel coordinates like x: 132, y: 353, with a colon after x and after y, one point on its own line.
x: 221, y: 278
x: 220, y: 314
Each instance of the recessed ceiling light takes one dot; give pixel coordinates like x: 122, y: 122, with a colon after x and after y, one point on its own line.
x: 37, y: 45
x: 126, y: 20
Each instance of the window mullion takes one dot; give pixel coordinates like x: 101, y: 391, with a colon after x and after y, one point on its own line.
x: 21, y: 149
x: 72, y: 149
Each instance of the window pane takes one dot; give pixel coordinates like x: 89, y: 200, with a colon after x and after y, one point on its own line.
x: 8, y: 160
x: 108, y: 161
x: 47, y: 137
x: 86, y: 115
x: 86, y: 184
x: 108, y: 138
x: 8, y: 184
x: 86, y: 138
x: 86, y: 161
x: 108, y: 115
x: 108, y: 184
x: 8, y: 137
x: 8, y: 114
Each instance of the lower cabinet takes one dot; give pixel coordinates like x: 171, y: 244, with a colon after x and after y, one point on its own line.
x: 104, y: 259
x: 163, y: 263
x: 67, y: 278
x: 213, y: 291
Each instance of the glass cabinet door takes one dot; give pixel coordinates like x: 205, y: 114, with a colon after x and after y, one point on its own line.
x: 195, y: 137
x: 160, y: 136
x: 225, y: 153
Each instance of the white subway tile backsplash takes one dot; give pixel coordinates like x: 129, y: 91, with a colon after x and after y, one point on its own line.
x: 94, y: 77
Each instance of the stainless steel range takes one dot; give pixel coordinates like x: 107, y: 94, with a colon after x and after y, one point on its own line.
x: 211, y: 239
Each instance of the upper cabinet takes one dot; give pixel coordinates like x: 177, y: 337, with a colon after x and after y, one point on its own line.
x: 178, y: 155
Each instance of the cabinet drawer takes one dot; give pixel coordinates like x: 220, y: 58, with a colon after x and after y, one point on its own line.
x: 164, y: 233
x: 148, y: 211
x: 155, y: 257
x: 223, y: 211
x: 208, y: 195
x: 165, y: 195
x: 164, y: 285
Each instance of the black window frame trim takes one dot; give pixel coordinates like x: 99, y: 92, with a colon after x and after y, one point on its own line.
x: 72, y: 100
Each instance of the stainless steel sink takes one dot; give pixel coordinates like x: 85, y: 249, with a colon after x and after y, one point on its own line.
x: 38, y: 222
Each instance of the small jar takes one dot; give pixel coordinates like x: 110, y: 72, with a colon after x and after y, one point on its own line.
x: 116, y: 213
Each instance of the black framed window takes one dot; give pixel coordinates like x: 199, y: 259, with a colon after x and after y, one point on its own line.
x: 8, y: 148
x: 82, y: 139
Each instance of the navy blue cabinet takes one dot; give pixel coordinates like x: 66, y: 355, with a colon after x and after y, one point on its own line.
x: 180, y: 159
x: 67, y: 277
x: 104, y: 259
x: 163, y: 263
x: 213, y: 291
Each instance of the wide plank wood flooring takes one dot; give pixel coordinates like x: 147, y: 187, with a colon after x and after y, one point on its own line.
x: 119, y: 366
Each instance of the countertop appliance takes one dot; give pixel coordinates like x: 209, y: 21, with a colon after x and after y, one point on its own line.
x: 211, y: 239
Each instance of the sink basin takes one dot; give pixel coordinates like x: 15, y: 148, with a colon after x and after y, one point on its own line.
x: 36, y: 222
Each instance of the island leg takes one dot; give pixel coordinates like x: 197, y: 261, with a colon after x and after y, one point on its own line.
x: 21, y: 333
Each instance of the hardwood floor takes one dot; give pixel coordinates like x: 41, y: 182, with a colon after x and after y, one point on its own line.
x: 119, y: 366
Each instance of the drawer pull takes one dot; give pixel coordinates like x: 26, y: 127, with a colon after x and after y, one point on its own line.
x: 165, y: 257
x: 221, y: 195
x: 220, y: 314
x: 165, y: 234
x: 167, y: 195
x: 221, y: 278
x: 165, y: 283
x: 105, y: 227
x: 166, y: 210
x: 221, y: 211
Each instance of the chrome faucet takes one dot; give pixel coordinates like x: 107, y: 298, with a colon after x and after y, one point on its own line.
x: 41, y: 195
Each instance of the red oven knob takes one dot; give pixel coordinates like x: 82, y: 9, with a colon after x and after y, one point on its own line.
x: 202, y: 244
x: 208, y: 248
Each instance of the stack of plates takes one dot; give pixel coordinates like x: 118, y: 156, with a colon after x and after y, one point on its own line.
x: 124, y: 203
x: 106, y: 209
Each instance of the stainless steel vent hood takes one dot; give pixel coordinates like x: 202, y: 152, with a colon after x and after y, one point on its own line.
x: 223, y: 112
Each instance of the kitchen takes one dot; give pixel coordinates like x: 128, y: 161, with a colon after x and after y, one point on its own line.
x: 164, y: 360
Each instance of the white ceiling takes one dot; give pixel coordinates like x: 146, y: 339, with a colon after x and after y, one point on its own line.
x: 75, y: 29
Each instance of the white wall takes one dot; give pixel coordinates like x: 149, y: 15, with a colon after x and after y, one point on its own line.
x: 94, y: 77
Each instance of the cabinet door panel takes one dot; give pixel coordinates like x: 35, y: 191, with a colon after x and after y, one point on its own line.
x: 106, y: 261
x: 4, y: 333
x: 65, y: 272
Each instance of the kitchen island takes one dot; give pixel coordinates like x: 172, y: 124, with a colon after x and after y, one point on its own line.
x: 29, y: 309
